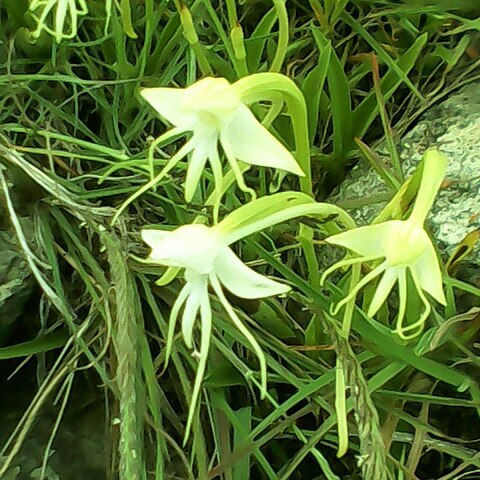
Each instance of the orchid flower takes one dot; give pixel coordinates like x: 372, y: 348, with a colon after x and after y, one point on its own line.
x: 400, y: 246
x: 59, y: 9
x: 208, y: 260
x: 212, y: 111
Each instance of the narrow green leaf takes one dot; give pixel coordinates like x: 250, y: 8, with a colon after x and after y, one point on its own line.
x: 255, y: 44
x: 339, y: 97
x: 313, y: 88
x: 380, y: 51
x: 377, y: 165
x: 367, y: 111
x: 241, y: 470
x: 41, y: 344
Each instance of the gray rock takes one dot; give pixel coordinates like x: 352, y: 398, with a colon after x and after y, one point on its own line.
x: 453, y: 127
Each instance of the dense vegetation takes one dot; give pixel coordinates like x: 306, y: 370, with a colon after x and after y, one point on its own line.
x: 87, y: 324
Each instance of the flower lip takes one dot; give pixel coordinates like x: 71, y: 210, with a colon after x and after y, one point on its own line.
x: 241, y: 280
x: 246, y: 139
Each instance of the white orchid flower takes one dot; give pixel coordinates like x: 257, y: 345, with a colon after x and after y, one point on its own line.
x: 401, y: 245
x: 208, y: 260
x: 213, y: 112
x: 204, y: 254
x: 60, y: 10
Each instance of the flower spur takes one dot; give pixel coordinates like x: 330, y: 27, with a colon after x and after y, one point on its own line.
x: 404, y: 246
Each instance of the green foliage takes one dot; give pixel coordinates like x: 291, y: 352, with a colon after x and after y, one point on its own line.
x: 73, y: 124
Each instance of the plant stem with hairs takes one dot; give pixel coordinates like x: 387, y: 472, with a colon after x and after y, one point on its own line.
x: 125, y: 341
x: 372, y: 459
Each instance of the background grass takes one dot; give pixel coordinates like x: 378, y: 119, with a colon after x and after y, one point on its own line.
x: 74, y: 140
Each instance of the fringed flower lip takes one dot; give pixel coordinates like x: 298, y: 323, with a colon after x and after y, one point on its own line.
x: 401, y: 246
x: 213, y: 112
x: 208, y: 261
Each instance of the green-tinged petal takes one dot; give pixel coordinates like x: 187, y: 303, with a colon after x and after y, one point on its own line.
x: 383, y: 289
x: 172, y: 322
x: 252, y: 143
x: 196, y: 166
x: 242, y: 281
x: 366, y: 241
x: 185, y: 150
x: 427, y: 270
x: 48, y: 7
x: 53, y: 17
x: 365, y: 280
x: 153, y: 237
x: 405, y: 243
x: 417, y: 326
x: 217, y: 171
x: 244, y: 331
x: 213, y: 97
x: 206, y: 329
x: 237, y: 170
x: 434, y: 168
x: 83, y: 7
x: 167, y: 102
x: 60, y: 15
x: 345, y: 263
x: 198, y: 292
x: 402, y: 296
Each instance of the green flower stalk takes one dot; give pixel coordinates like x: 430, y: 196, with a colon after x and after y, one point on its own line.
x: 60, y: 10
x: 402, y: 246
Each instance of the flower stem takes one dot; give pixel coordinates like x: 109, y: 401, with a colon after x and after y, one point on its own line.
x: 283, y: 33
x: 125, y: 341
